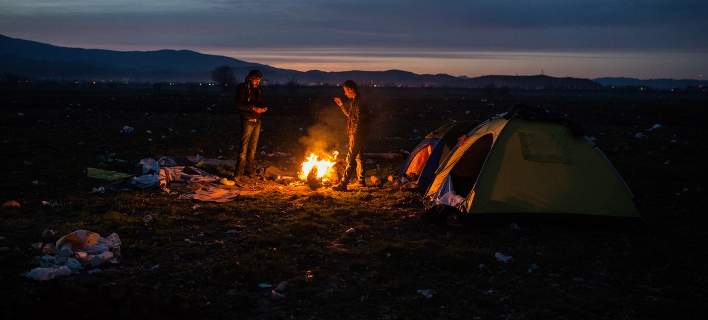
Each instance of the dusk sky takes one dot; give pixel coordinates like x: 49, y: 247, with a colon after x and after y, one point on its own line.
x: 638, y: 38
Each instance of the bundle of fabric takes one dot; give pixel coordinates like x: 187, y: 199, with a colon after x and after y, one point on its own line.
x: 189, y: 182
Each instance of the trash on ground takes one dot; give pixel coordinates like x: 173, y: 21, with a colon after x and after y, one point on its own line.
x: 107, y: 175
x: 127, y: 129
x: 450, y: 199
x: 427, y: 293
x: 502, y: 257
x: 11, y: 204
x: 78, y: 250
x: 98, y: 190
x: 532, y: 268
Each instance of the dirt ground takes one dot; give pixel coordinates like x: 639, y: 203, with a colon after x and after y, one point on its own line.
x: 364, y: 254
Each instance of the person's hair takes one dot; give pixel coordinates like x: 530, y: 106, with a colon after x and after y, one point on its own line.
x: 254, y: 74
x: 351, y: 85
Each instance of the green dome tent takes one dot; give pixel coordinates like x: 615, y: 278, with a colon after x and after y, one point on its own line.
x: 517, y: 165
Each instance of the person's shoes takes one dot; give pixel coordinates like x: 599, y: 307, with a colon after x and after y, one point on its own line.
x: 227, y: 182
x: 342, y: 186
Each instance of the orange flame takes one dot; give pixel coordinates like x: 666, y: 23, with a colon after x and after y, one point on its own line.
x: 324, y: 168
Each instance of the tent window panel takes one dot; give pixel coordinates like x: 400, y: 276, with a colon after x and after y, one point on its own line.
x: 544, y: 146
x: 467, y: 170
x: 419, y: 160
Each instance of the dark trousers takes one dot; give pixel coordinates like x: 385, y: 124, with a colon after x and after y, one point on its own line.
x: 250, y: 131
x: 354, y: 153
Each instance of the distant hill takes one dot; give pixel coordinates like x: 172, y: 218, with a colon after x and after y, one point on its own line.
x: 40, y: 60
x: 45, y: 61
x: 651, y: 83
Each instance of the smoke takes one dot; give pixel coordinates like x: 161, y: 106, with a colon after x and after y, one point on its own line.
x: 328, y: 133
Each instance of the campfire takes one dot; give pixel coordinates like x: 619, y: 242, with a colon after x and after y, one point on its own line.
x: 317, y: 170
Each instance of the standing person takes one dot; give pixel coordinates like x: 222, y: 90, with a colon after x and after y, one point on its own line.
x: 356, y: 128
x: 249, y: 103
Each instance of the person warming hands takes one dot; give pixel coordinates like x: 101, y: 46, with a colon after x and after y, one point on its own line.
x: 355, y: 114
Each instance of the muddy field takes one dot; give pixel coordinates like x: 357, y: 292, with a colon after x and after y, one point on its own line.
x: 364, y: 254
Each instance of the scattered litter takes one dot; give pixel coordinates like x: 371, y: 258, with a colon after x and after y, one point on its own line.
x: 450, y: 199
x: 127, y: 129
x: 98, y: 190
x: 74, y: 264
x: 227, y: 182
x: 639, y: 135
x: 264, y: 285
x: 350, y: 230
x: 427, y: 293
x: 107, y: 175
x: 654, y: 127
x: 77, y: 250
x: 278, y: 292
x: 149, y: 166
x: 49, y: 248
x: 532, y: 268
x: 309, y: 276
x: 43, y: 274
x: 196, y: 206
x: 502, y: 257
x: 11, y: 204
x: 165, y: 161
x: 232, y: 231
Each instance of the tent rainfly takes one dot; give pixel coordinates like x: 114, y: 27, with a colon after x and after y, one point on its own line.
x: 430, y: 153
x: 517, y: 165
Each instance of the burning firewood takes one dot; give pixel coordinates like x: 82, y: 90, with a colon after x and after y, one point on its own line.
x: 312, y: 180
x: 316, y: 171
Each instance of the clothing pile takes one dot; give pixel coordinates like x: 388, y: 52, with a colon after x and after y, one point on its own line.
x: 189, y: 182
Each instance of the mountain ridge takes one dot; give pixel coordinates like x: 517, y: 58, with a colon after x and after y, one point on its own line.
x: 47, y: 61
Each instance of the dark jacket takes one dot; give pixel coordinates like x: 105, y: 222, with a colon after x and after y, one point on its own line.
x: 357, y: 117
x: 248, y: 97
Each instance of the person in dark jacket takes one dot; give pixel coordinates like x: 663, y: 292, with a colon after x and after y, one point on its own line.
x: 249, y: 103
x: 356, y: 115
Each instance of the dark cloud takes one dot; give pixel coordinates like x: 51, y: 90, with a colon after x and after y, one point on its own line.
x: 498, y: 24
x: 520, y: 25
